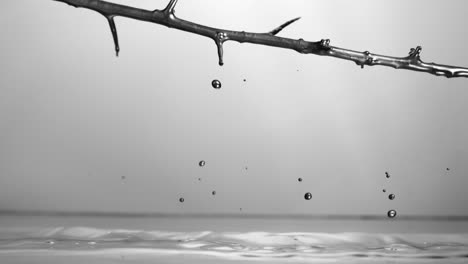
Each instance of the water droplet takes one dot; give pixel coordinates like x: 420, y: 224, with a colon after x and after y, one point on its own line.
x: 308, y: 196
x: 201, y: 163
x: 213, y: 192
x: 181, y: 199
x: 387, y: 175
x: 300, y: 179
x: 216, y: 84
x: 384, y: 190
x: 391, y: 196
x: 391, y: 214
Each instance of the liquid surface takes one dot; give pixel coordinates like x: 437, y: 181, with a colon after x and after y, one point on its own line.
x: 180, y: 240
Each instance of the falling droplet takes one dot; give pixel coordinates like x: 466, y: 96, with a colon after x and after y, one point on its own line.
x: 181, y: 199
x: 308, y: 196
x: 391, y: 214
x: 300, y: 179
x: 213, y: 192
x: 201, y: 163
x: 391, y: 196
x: 387, y: 175
x: 216, y: 84
x: 384, y: 190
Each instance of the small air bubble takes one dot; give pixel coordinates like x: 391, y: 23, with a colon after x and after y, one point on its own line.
x: 387, y: 175
x: 308, y: 196
x: 216, y: 84
x: 391, y: 196
x: 299, y: 179
x: 213, y: 192
x: 123, y: 177
x: 448, y: 169
x: 201, y: 163
x: 384, y: 190
x: 181, y: 199
x: 391, y: 214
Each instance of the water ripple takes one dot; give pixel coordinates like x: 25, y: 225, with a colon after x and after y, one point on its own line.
x: 262, y: 245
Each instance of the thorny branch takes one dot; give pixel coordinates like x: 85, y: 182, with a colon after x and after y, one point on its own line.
x: 167, y: 18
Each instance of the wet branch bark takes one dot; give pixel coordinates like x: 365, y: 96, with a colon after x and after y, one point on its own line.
x: 167, y: 18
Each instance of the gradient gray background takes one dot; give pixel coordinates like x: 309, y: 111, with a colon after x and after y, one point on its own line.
x: 74, y: 118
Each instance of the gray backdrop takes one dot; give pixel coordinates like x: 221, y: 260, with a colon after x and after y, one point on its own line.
x: 74, y: 118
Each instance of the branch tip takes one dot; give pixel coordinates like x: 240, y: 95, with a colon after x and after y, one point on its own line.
x: 278, y: 29
x: 114, y: 34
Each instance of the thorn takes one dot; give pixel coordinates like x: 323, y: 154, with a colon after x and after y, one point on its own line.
x: 278, y: 29
x: 114, y: 34
x: 220, y: 53
x: 170, y: 7
x: 219, y: 40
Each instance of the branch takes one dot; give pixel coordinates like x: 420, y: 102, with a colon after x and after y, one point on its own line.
x: 167, y: 18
